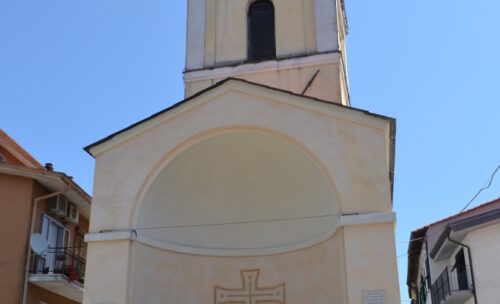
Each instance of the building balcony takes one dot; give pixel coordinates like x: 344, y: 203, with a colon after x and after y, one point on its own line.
x: 59, y: 271
x: 452, y: 287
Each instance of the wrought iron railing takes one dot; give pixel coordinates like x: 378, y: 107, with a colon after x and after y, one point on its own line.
x: 59, y: 261
x: 448, y: 281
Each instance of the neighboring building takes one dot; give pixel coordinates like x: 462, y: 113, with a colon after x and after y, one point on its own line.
x: 57, y: 276
x: 265, y: 189
x: 456, y: 260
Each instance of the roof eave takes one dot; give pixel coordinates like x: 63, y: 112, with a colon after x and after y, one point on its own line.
x: 417, y: 239
x: 43, y: 175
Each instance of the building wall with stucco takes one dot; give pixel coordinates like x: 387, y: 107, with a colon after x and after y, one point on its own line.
x: 15, y: 197
x: 22, y: 182
x: 217, y: 47
x: 37, y: 295
x: 485, y: 246
x: 165, y: 230
x: 217, y: 30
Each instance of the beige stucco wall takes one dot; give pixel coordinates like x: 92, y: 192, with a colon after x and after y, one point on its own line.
x: 37, y: 295
x: 290, y: 75
x: 354, y: 153
x: 349, y: 147
x: 15, y: 199
x: 370, y: 252
x: 240, y: 176
x: 217, y: 30
x: 107, y: 273
x: 312, y: 275
x: 226, y: 29
x: 305, y: 29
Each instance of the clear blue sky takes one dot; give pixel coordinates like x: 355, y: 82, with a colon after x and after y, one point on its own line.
x: 72, y: 72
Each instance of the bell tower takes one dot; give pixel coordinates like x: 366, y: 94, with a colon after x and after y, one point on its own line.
x: 293, y: 45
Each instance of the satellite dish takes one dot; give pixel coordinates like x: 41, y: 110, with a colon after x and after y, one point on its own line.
x: 38, y: 243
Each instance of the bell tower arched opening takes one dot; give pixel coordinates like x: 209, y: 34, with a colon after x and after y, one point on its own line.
x: 261, y: 31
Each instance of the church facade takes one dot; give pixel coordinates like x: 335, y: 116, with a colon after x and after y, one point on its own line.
x: 263, y: 186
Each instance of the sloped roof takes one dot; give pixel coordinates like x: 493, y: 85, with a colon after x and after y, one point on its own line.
x: 53, y: 181
x: 9, y: 144
x: 417, y: 237
x: 31, y: 168
x: 414, y: 249
x: 460, y: 214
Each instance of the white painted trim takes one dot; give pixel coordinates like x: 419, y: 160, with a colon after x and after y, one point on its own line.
x: 54, y: 278
x: 108, y: 236
x: 262, y: 67
x: 235, y: 252
x: 325, y: 12
x: 58, y: 284
x: 128, y: 235
x: 195, y: 34
x: 367, y: 219
x: 345, y: 220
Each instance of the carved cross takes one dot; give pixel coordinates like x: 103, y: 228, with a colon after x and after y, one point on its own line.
x: 250, y: 293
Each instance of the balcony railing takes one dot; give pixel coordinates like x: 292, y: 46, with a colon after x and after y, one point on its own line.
x: 59, y: 261
x: 450, y: 280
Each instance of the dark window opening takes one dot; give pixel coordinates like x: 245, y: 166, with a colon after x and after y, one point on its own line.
x: 461, y: 269
x: 261, y: 35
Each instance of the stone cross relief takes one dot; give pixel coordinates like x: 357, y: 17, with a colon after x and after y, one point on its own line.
x: 250, y: 293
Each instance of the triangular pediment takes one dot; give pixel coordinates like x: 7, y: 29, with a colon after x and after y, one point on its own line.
x: 238, y: 86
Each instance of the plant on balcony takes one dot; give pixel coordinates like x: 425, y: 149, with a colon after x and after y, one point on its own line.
x: 71, y: 273
x: 81, y: 275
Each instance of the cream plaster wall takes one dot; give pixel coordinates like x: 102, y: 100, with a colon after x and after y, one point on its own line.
x: 226, y: 30
x: 248, y: 177
x: 370, y: 252
x: 195, y: 34
x: 217, y: 37
x: 349, y: 147
x: 290, y: 75
x: 326, y: 17
x: 107, y: 273
x: 312, y: 275
x: 217, y: 30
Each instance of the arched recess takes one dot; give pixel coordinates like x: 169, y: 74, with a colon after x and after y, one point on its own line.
x: 237, y: 192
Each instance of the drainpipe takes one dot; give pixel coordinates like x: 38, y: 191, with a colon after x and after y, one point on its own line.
x: 470, y: 260
x: 428, y: 268
x: 32, y: 229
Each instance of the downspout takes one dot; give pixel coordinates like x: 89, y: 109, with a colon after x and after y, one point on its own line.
x: 470, y: 260
x: 32, y: 229
x: 428, y: 268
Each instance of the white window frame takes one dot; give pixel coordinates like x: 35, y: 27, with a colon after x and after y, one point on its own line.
x: 50, y: 219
